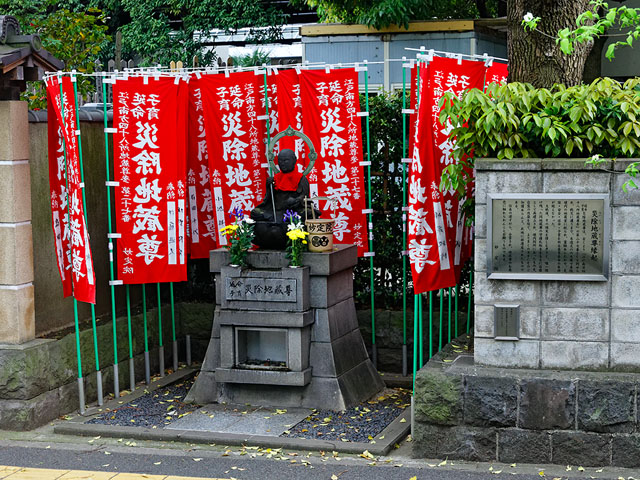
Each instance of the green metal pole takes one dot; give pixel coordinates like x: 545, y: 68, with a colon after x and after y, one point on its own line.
x: 469, y: 305
x: 266, y: 103
x: 147, y: 366
x: 374, y: 347
x: 456, y: 317
x: 174, y: 342
x: 116, y: 376
x: 430, y: 324
x: 420, y: 334
x: 132, y: 371
x: 417, y: 103
x: 441, y: 294
x: 404, y: 222
x: 75, y: 302
x: 160, y: 344
x: 84, y: 205
x: 449, y: 325
x: 415, y: 340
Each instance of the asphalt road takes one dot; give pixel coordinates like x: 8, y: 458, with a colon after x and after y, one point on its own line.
x: 252, y: 464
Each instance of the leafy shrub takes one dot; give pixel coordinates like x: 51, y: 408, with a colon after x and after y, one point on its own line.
x: 519, y: 121
x: 385, y: 127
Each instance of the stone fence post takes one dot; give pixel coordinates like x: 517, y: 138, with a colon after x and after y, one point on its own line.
x: 17, y: 320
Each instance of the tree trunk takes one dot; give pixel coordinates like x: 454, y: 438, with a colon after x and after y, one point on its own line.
x: 593, y: 65
x: 533, y: 56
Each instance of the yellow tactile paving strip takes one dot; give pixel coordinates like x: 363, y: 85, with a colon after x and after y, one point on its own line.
x: 18, y: 473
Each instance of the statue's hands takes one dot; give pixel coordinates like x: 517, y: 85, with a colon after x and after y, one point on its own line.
x: 269, y: 181
x: 292, y: 202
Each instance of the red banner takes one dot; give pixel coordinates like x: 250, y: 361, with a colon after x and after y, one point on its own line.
x: 413, y: 104
x: 201, y: 212
x: 330, y: 104
x: 150, y: 116
x: 73, y: 251
x: 497, y: 73
x: 435, y: 222
x: 235, y: 139
x: 290, y: 114
x: 274, y: 108
x: 57, y: 186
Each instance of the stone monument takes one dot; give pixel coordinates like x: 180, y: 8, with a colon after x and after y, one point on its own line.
x: 285, y: 336
x: 556, y: 302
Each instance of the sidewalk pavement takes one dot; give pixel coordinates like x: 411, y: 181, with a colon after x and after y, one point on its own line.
x: 17, y: 473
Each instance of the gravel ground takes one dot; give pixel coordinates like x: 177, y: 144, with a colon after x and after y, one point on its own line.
x: 155, y: 409
x: 357, y: 424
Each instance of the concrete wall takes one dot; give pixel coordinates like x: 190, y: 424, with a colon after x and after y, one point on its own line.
x: 564, y: 324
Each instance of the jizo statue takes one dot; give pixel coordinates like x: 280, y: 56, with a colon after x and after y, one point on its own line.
x: 286, y: 190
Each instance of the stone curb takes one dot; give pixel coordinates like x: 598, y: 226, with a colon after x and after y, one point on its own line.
x: 393, y: 434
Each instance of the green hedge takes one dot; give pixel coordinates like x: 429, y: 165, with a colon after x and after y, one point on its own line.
x: 518, y: 120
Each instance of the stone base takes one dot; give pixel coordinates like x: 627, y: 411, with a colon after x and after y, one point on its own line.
x: 329, y: 364
x: 470, y: 412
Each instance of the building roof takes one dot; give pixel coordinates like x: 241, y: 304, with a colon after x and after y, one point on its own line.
x: 22, y: 59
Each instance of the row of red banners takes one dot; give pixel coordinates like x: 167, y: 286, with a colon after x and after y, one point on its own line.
x: 190, y: 150
x: 233, y: 117
x: 438, y: 242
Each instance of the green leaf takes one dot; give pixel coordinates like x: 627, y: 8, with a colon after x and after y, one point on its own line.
x: 566, y: 46
x: 569, y: 147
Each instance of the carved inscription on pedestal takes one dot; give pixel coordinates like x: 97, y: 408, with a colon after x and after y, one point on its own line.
x: 548, y: 236
x: 260, y: 289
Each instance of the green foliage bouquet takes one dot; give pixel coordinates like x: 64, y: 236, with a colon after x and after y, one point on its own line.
x: 297, y: 238
x: 240, y: 236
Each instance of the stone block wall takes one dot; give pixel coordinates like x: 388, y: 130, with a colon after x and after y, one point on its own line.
x: 510, y: 415
x: 576, y: 325
x: 38, y: 379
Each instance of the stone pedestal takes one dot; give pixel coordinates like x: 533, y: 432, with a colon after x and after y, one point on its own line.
x: 304, y: 318
x: 17, y: 320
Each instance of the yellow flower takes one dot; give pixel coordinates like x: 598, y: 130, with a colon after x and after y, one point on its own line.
x: 229, y: 229
x: 296, y: 234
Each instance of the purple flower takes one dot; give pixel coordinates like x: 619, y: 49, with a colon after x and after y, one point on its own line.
x: 291, y: 216
x: 237, y: 213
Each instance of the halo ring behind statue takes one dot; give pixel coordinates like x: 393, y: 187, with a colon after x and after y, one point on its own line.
x: 291, y: 132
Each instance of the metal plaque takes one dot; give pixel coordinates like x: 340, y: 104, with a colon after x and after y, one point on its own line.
x: 548, y: 236
x: 506, y: 322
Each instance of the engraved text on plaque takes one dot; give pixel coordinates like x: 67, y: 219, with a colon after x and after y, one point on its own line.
x: 548, y: 236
